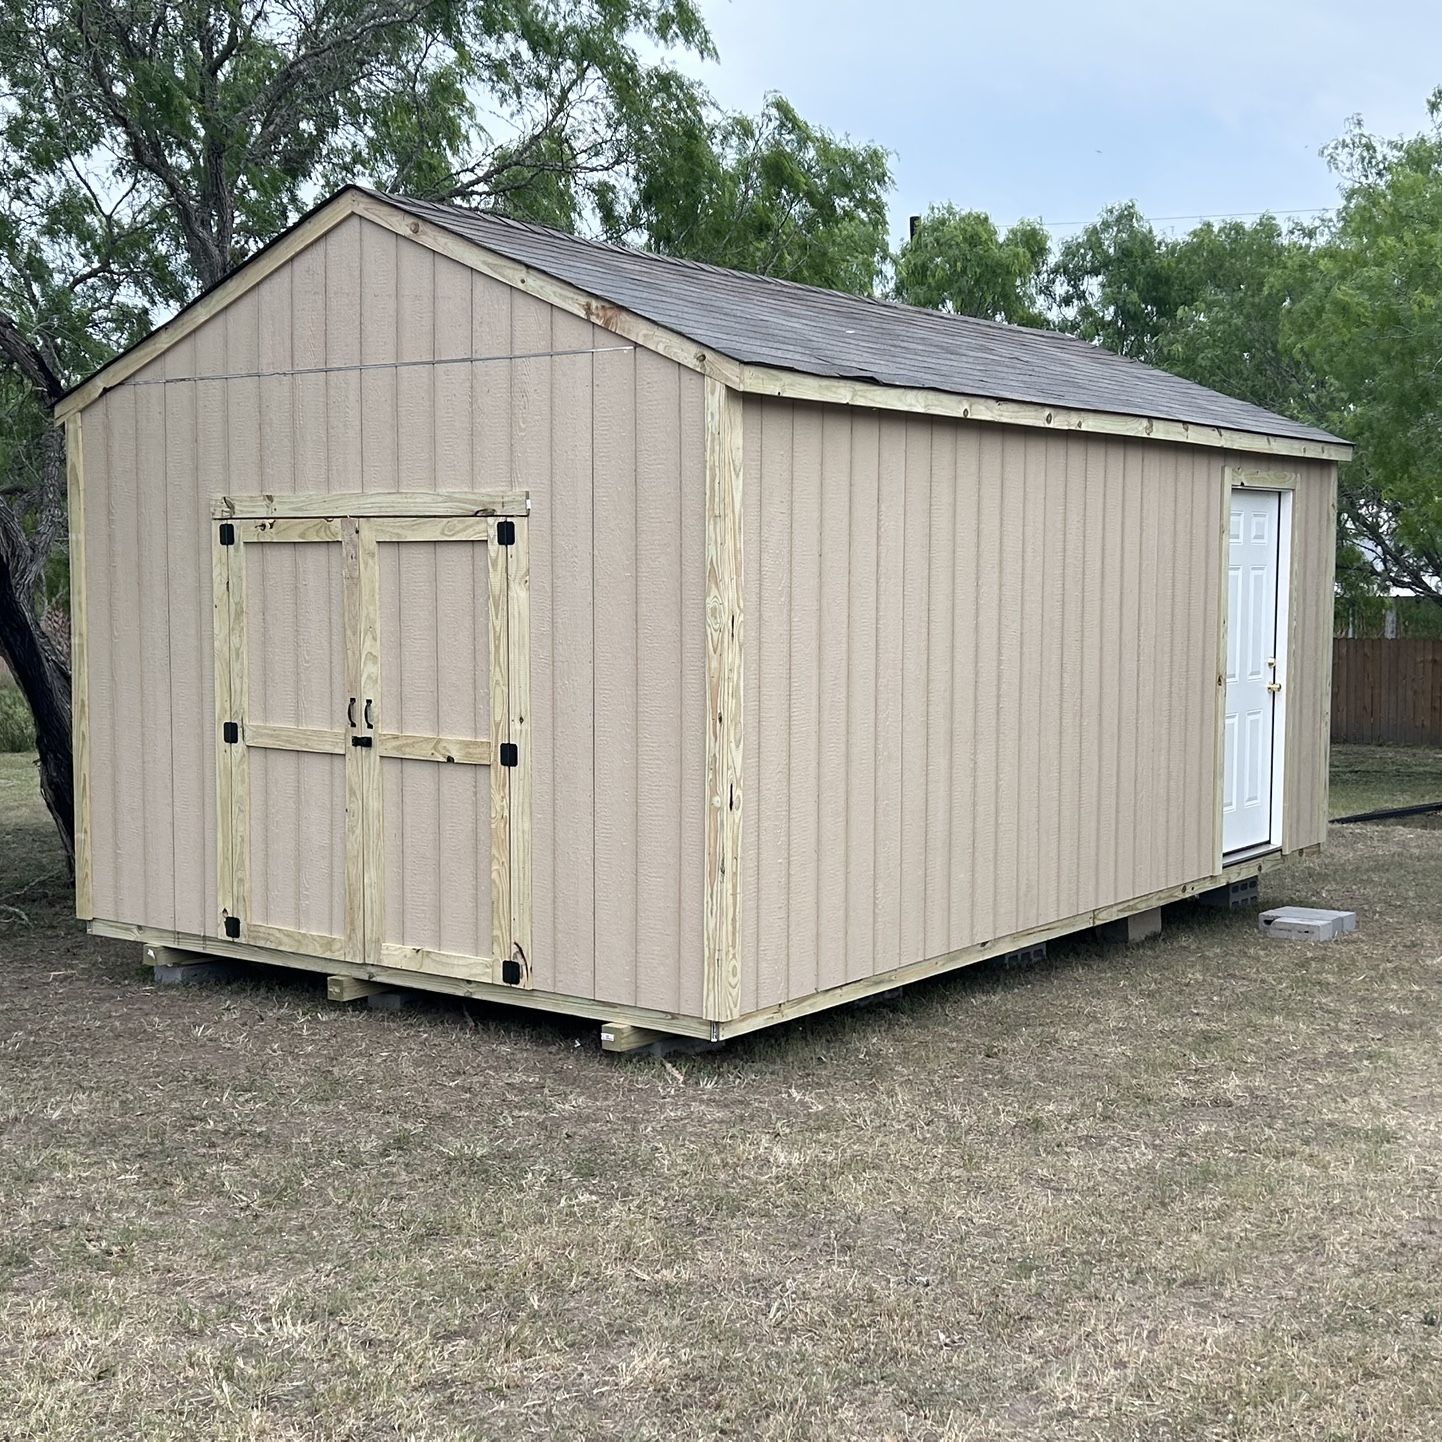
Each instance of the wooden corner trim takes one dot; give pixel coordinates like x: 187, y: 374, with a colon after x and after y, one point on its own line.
x: 1219, y: 722
x: 724, y: 725
x: 79, y: 672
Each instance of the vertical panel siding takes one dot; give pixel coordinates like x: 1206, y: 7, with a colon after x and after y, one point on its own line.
x: 609, y: 444
x: 834, y: 644
x: 804, y: 696
x: 660, y: 681
x: 1002, y: 658
x: 859, y: 784
x: 563, y: 877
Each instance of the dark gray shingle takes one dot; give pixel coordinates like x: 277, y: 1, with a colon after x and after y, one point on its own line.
x: 761, y: 321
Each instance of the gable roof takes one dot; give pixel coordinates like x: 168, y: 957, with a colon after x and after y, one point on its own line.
x: 758, y: 320
x: 780, y: 338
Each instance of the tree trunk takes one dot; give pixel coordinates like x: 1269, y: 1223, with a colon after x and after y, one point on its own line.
x: 44, y: 680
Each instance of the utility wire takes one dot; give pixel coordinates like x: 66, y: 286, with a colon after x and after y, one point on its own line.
x: 1165, y: 219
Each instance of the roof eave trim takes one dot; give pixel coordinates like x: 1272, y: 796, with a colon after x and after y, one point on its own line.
x: 797, y: 385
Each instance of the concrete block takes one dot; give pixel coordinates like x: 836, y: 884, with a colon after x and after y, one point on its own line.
x: 1306, y: 923
x: 1235, y: 896
x: 390, y: 1000
x: 181, y: 968
x: 1032, y: 955
x: 1141, y: 926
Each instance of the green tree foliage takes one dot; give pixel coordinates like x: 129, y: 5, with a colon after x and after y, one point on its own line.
x: 1373, y: 325
x: 149, y: 146
x: 1238, y: 284
x: 958, y: 261
x: 768, y: 193
x: 1118, y: 283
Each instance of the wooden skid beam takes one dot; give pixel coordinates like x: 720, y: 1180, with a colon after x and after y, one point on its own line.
x: 623, y: 1036
x: 351, y: 988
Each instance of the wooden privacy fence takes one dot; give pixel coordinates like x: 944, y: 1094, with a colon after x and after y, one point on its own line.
x: 1387, y: 691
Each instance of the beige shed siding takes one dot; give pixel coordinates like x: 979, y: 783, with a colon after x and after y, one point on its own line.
x: 980, y: 683
x: 610, y: 443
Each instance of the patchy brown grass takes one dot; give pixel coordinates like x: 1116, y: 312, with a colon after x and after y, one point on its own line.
x: 1376, y: 778
x: 1184, y: 1191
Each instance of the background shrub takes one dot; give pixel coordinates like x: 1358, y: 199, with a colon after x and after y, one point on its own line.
x: 17, y: 730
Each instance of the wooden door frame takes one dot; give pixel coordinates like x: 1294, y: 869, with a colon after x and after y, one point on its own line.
x: 1283, y: 484
x: 358, y: 521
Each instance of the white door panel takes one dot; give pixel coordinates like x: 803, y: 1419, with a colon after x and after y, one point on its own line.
x: 1253, y: 668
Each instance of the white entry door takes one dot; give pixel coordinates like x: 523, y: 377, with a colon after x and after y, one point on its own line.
x: 1253, y: 668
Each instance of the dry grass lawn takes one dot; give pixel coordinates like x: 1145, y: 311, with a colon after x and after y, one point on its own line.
x: 1375, y: 778
x: 1189, y: 1190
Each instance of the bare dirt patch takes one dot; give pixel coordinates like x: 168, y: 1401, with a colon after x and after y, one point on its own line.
x: 1188, y: 1190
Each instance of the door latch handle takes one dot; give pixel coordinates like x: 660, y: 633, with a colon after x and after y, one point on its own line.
x: 350, y: 712
x: 370, y: 725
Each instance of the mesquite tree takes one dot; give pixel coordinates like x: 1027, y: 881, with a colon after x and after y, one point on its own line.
x: 148, y: 146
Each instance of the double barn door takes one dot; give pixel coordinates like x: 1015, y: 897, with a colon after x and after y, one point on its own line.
x: 372, y: 691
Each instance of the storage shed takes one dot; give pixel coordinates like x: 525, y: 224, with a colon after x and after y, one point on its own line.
x: 463, y: 605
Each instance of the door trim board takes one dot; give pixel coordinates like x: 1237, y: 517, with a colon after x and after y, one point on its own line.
x: 334, y: 505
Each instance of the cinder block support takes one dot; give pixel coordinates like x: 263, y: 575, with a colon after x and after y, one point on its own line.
x: 1027, y: 957
x: 1141, y: 926
x: 385, y: 999
x: 1235, y: 896
x: 179, y: 968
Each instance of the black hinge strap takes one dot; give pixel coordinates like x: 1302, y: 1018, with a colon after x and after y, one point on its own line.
x: 230, y: 732
x: 232, y: 926
x: 510, y: 754
x: 505, y: 533
x: 227, y: 534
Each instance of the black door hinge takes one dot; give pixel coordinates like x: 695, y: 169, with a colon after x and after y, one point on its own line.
x: 505, y: 533
x: 227, y: 534
x: 360, y: 740
x: 230, y: 732
x: 510, y: 753
x: 511, y: 971
x: 232, y: 926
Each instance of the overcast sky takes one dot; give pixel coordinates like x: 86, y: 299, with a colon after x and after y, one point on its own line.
x: 1053, y: 109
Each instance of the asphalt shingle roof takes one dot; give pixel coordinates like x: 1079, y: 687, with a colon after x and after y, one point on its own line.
x: 760, y: 321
